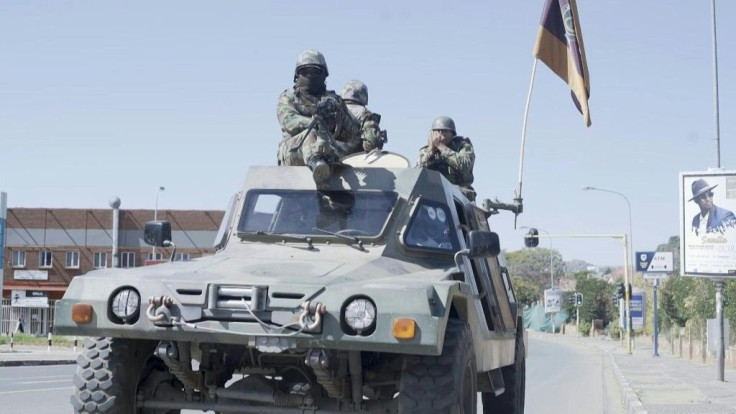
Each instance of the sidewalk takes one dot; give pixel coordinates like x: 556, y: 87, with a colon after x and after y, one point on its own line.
x: 24, y: 355
x: 663, y: 384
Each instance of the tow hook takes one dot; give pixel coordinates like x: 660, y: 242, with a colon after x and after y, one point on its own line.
x: 158, y: 310
x: 308, y: 310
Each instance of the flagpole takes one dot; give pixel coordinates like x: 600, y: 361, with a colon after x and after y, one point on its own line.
x: 523, y: 128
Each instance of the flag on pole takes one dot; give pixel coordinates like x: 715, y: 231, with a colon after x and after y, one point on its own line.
x: 560, y: 46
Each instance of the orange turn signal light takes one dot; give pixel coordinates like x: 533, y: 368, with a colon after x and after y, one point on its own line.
x: 82, y: 313
x: 404, y: 328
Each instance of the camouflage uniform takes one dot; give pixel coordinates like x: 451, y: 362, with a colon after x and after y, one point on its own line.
x: 456, y: 162
x: 315, y: 122
x: 355, y: 95
x: 295, y: 110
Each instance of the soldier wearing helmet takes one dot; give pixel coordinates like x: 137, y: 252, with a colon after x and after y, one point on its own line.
x: 355, y: 95
x: 450, y: 154
x: 316, y: 125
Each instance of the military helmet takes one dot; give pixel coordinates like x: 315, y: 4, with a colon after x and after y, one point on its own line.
x: 310, y: 57
x: 444, y: 123
x: 355, y: 90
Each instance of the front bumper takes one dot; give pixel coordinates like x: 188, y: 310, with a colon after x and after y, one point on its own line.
x: 422, y: 304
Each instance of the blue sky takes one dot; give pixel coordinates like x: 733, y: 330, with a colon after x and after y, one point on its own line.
x: 100, y: 99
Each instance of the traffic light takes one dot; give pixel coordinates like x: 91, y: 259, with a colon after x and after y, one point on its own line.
x: 620, y: 292
x: 531, y: 239
x: 578, y: 299
x: 571, y: 299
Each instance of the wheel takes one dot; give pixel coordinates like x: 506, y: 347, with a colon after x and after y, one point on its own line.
x: 514, y: 378
x: 441, y: 384
x: 110, y: 372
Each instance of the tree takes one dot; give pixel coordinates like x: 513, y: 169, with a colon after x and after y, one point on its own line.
x: 530, y: 268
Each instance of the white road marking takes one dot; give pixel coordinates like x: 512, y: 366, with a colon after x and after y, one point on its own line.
x: 37, y: 390
x: 46, y: 376
x: 41, y: 382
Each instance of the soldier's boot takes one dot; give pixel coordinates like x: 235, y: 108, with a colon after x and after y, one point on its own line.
x: 320, y: 170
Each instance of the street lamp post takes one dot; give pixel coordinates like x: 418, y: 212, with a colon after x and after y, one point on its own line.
x: 629, y: 261
x: 155, y: 217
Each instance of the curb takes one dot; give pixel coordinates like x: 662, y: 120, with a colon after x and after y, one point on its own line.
x: 631, y: 401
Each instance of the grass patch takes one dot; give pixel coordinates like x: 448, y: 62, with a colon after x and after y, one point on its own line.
x: 28, y: 339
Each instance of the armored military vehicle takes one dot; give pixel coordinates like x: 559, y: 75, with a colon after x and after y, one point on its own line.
x: 382, y: 292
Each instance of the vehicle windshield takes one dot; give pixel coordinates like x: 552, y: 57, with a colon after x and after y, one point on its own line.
x: 348, y: 213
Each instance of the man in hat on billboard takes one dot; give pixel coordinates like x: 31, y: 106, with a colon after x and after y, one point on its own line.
x: 711, y: 219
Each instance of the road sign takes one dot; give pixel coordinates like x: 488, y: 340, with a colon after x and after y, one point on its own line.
x: 638, y: 305
x: 552, y: 300
x: 654, y: 262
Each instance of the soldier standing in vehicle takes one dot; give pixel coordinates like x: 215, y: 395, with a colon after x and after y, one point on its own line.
x: 316, y: 125
x: 450, y: 154
x: 355, y: 95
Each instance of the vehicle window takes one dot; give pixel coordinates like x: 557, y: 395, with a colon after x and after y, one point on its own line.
x: 349, y: 213
x: 431, y: 227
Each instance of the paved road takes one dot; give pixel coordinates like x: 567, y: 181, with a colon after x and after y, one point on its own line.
x: 566, y: 377
x: 36, y: 389
x: 561, y: 377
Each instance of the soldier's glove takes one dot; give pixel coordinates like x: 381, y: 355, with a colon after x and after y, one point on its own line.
x: 326, y: 107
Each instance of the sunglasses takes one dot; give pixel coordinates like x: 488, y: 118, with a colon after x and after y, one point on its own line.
x: 704, y: 196
x: 309, y: 71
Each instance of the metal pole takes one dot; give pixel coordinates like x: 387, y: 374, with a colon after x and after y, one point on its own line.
x: 523, y: 127
x: 115, y: 204
x: 656, y: 319
x: 3, y: 217
x: 627, y: 298
x: 715, y: 86
x: 155, y: 217
x: 720, y: 344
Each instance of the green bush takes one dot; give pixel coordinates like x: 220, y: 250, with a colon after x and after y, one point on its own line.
x: 614, y: 330
x: 584, y: 327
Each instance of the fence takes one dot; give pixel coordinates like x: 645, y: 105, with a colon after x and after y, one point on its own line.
x: 691, y: 343
x: 34, y: 321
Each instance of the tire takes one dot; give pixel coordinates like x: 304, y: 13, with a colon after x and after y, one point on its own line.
x: 514, y: 378
x: 109, y: 371
x: 445, y: 384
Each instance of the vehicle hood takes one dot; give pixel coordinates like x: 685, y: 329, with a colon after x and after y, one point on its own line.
x: 345, y: 265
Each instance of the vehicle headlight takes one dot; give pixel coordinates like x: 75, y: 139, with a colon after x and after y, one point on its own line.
x: 360, y: 315
x: 126, y: 304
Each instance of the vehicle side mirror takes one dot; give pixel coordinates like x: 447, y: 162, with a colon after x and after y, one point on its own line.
x: 480, y: 244
x: 483, y: 244
x: 157, y: 233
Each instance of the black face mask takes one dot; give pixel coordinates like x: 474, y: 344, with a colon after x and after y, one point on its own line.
x: 313, y: 84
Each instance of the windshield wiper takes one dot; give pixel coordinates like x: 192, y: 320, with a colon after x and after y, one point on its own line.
x: 353, y: 239
x: 284, y: 236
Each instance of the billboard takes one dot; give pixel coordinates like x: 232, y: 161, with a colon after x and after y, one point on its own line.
x: 708, y: 224
x: 29, y: 299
